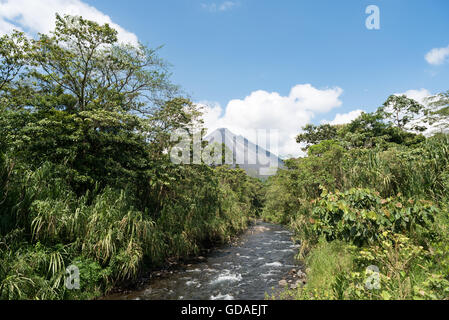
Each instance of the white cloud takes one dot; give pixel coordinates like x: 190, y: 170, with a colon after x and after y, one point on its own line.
x: 265, y: 110
x: 438, y: 56
x: 345, y: 117
x: 417, y: 95
x: 224, y: 6
x: 33, y: 16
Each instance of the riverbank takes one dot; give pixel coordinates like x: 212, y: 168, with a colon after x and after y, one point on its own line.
x: 105, y: 237
x: 249, y: 268
x: 175, y: 265
x: 372, y: 219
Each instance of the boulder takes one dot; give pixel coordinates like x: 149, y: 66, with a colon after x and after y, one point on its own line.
x: 283, y: 283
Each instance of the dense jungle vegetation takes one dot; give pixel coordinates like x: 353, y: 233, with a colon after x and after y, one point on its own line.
x: 370, y: 204
x: 86, y: 179
x: 85, y: 171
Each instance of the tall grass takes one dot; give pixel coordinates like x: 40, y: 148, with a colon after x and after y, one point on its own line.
x: 325, y: 264
x: 411, y: 187
x: 414, y: 172
x: 103, y: 233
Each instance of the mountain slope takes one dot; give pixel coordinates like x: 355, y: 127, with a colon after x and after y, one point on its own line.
x: 254, y: 159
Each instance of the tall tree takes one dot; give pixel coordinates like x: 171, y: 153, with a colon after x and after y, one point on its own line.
x: 86, y: 60
x: 13, y: 57
x: 403, y: 112
x: 315, y: 134
x: 100, y: 109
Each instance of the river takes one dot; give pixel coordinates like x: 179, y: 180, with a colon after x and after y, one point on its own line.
x: 245, y: 270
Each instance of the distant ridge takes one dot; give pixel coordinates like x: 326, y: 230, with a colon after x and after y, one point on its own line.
x: 258, y: 162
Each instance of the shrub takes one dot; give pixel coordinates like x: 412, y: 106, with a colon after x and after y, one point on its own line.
x: 401, y: 275
x: 361, y: 215
x: 325, y: 263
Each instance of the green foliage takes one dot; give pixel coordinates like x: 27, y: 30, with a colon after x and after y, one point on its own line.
x: 93, y: 279
x: 114, y: 239
x: 338, y: 271
x: 374, y: 185
x: 85, y: 60
x: 401, y: 111
x: 402, y: 274
x: 326, y: 263
x: 85, y: 177
x: 315, y: 134
x: 280, y: 203
x: 83, y: 101
x: 13, y: 55
x: 361, y: 215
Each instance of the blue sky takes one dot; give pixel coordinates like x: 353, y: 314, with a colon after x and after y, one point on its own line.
x: 273, y: 45
x: 223, y: 51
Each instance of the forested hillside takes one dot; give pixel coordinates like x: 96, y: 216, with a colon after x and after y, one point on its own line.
x: 85, y: 173
x: 370, y: 204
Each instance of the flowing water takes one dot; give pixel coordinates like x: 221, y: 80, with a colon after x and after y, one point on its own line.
x: 246, y: 270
